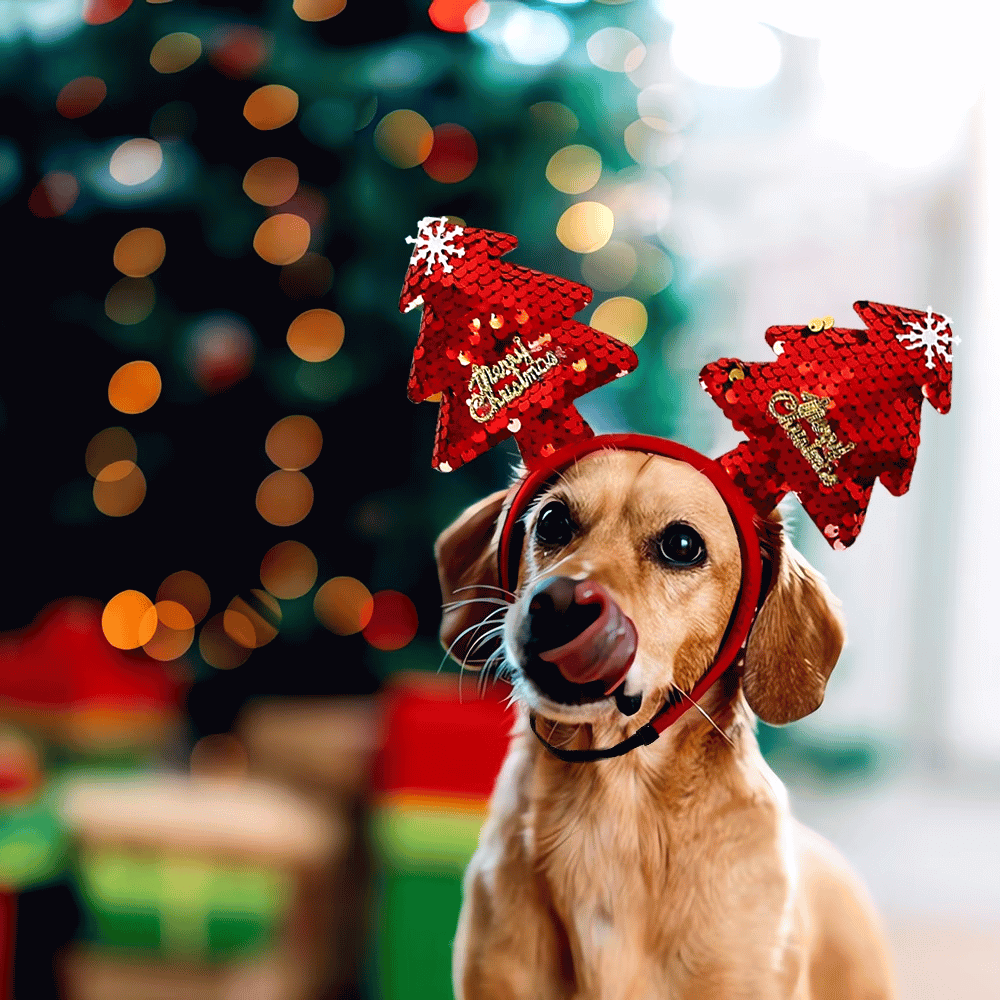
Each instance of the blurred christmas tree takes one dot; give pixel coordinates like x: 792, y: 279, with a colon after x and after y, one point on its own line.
x: 151, y: 117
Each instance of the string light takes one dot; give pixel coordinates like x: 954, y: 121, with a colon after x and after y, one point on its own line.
x: 187, y: 589
x: 282, y: 239
x: 271, y: 106
x: 289, y: 570
x: 140, y: 252
x: 616, y: 50
x: 343, y: 605
x: 113, y: 444
x: 81, y: 96
x: 175, y: 52
x: 318, y: 10
x: 553, y: 117
x: 623, y: 318
x: 271, y: 181
x: 54, y: 195
x: 585, y: 226
x: 453, y: 154
x: 217, y: 648
x: 135, y: 387
x: 315, y: 335
x: 129, y: 620
x: 119, y: 489
x: 574, y: 169
x: 284, y: 498
x: 404, y: 138
x: 294, y: 442
x: 136, y: 161
x: 393, y: 622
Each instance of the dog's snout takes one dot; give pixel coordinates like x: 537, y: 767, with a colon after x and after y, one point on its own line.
x: 554, y: 617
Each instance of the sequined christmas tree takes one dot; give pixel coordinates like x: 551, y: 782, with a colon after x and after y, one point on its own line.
x: 498, y: 347
x: 837, y: 410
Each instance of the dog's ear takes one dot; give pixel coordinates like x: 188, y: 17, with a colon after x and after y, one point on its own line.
x: 797, y: 637
x: 466, y: 554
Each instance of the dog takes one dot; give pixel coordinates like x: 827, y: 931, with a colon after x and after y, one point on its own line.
x: 675, y: 871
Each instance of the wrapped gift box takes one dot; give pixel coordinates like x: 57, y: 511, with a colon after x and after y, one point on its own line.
x: 440, y: 755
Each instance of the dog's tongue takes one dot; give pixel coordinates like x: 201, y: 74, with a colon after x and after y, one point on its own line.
x: 604, y: 650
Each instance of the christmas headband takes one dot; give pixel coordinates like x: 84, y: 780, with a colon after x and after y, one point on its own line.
x: 837, y: 409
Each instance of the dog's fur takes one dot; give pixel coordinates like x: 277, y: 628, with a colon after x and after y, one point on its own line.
x: 675, y: 871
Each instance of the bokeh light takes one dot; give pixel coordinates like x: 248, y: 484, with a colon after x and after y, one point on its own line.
x: 104, y: 11
x: 533, y: 37
x: 81, y: 96
x: 187, y: 589
x: 285, y: 498
x: 623, y: 318
x: 654, y: 270
x: 289, y: 570
x: 271, y: 181
x: 616, y: 50
x: 130, y: 301
x: 119, y: 489
x: 310, y: 277
x: 610, y: 268
x: 136, y: 161
x: 135, y: 387
x: 216, y: 648
x: 129, y: 620
x: 271, y: 106
x: 140, y: 252
x: 453, y: 154
x: 241, y: 51
x: 315, y: 335
x: 113, y: 444
x: 294, y: 442
x: 574, y: 169
x: 282, y: 239
x: 318, y: 10
x: 652, y: 146
x: 175, y: 52
x: 404, y: 138
x: 252, y: 623
x: 725, y: 52
x: 458, y: 16
x: 54, y: 195
x: 174, y: 631
x: 393, y: 622
x: 585, y: 226
x: 220, y: 351
x: 343, y: 605
x: 553, y: 117
x: 168, y: 644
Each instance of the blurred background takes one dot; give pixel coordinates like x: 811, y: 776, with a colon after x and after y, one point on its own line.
x: 229, y: 764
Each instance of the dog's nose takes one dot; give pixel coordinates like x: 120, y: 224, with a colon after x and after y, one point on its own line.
x: 578, y: 627
x: 554, y: 617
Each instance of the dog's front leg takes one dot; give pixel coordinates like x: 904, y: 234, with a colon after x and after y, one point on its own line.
x: 509, y: 944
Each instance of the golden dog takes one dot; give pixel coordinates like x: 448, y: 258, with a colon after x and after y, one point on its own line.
x: 676, y: 871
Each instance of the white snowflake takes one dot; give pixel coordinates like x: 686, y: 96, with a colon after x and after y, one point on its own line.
x: 930, y: 334
x: 435, y: 246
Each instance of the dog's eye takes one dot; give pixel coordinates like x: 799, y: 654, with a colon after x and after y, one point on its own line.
x: 681, y: 545
x: 555, y: 526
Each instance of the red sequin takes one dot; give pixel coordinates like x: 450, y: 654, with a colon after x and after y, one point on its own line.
x: 497, y: 342
x: 838, y: 409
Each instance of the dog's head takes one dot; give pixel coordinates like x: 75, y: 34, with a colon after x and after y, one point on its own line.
x: 628, y: 576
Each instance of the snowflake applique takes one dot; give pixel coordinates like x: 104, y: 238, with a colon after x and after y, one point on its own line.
x: 930, y: 334
x: 435, y: 247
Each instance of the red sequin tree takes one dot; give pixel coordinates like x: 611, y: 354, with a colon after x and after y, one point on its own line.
x: 498, y: 348
x: 839, y: 409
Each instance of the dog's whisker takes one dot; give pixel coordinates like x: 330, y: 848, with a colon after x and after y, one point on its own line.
x: 486, y: 586
x: 707, y: 716
x: 454, y: 605
x: 460, y: 636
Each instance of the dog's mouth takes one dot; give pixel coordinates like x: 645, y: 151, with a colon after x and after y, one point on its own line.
x: 592, y: 664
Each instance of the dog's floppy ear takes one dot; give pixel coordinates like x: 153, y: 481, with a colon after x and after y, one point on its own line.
x: 466, y: 554
x: 796, y: 639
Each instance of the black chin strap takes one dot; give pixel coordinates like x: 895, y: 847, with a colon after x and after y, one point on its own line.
x: 642, y: 737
